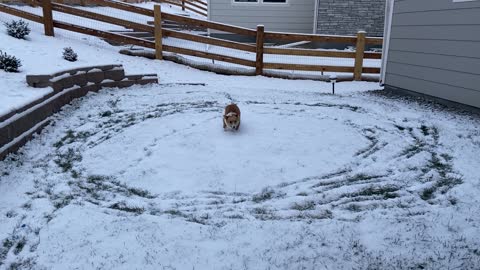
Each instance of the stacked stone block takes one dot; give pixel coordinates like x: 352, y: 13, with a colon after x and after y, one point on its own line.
x: 347, y: 17
x: 17, y: 127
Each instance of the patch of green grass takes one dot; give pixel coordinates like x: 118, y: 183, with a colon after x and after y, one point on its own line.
x: 329, y: 105
x: 200, y: 220
x: 448, y: 182
x: 113, y: 103
x: 446, y: 179
x: 354, y: 207
x: 71, y: 137
x: 261, y: 212
x: 174, y: 212
x: 66, y: 160
x: 435, y: 163
x: 372, y: 147
x: 48, y: 217
x: 106, y: 114
x: 238, y: 200
x: 235, y: 216
x: 427, y: 193
x: 27, y: 206
x: 122, y: 206
x: 22, y: 264
x: 327, y: 214
x: 363, y: 177
x: 265, y: 195
x: 63, y: 201
x: 425, y: 130
x: 11, y: 214
x: 19, y: 246
x: 136, y: 191
x: 453, y: 201
x: 100, y: 187
x: 388, y: 192
x: 303, y: 206
x: 75, y: 174
x: 414, y: 149
x: 7, y: 243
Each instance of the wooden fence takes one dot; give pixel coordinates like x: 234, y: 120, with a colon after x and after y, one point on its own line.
x: 196, y: 6
x: 259, y: 34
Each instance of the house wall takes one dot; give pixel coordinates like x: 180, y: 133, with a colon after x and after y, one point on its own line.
x: 347, y: 17
x: 435, y: 49
x: 295, y: 16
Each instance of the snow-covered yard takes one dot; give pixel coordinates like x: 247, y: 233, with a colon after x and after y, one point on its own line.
x: 146, y: 178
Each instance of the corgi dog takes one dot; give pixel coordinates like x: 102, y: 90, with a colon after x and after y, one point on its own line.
x: 231, y: 117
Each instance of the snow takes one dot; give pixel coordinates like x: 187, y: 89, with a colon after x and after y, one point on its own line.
x: 146, y: 178
x: 61, y: 77
x: 16, y: 95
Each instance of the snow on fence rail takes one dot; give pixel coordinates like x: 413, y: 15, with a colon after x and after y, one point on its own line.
x: 260, y: 56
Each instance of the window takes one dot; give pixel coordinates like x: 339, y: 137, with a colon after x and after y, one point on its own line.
x: 457, y: 1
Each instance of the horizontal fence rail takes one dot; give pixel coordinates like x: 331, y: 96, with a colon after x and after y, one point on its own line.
x: 211, y: 25
x: 198, y: 7
x: 248, y: 55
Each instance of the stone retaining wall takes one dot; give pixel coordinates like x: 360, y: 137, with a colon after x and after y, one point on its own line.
x: 347, y: 17
x: 17, y: 127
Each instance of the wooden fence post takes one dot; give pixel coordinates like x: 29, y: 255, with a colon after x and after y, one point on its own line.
x: 157, y: 11
x: 360, y: 52
x: 260, y: 44
x: 48, y: 18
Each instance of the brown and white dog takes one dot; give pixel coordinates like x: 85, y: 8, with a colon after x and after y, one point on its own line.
x: 231, y: 117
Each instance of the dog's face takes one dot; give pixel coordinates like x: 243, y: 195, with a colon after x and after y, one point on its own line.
x: 231, y: 120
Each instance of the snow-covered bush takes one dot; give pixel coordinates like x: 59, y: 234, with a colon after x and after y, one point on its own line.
x: 17, y: 29
x: 69, y: 54
x: 9, y: 63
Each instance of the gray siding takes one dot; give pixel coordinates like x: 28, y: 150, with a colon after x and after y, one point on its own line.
x: 347, y: 17
x: 435, y: 49
x: 296, y: 16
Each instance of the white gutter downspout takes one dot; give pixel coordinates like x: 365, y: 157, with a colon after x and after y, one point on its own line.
x: 386, y: 38
x: 315, y: 17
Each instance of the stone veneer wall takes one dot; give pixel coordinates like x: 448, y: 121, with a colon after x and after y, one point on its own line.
x: 17, y: 127
x: 347, y: 17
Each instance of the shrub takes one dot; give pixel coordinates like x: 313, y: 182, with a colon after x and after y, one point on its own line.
x: 9, y: 63
x: 69, y: 54
x: 18, y: 29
